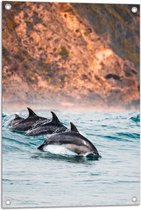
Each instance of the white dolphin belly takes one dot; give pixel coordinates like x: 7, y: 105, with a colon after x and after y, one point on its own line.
x: 67, y: 149
x: 58, y: 149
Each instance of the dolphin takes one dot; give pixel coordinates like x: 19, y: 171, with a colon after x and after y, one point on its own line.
x: 71, y: 140
x: 27, y: 123
x: 39, y: 122
x: 16, y: 120
x: 136, y: 118
x: 47, y: 127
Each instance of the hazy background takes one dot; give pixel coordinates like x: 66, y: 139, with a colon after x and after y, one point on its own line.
x: 70, y: 55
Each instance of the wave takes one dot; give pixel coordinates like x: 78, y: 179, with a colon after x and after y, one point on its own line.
x: 129, y: 135
x: 17, y: 141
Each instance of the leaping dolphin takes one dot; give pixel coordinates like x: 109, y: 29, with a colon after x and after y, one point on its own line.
x: 27, y: 123
x: 71, y: 140
x: 47, y: 127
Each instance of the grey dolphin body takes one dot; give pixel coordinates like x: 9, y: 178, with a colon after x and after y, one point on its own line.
x: 73, y: 141
x: 16, y: 120
x: 27, y: 123
x: 47, y: 127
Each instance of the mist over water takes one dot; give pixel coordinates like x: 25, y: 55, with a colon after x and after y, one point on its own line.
x: 32, y: 178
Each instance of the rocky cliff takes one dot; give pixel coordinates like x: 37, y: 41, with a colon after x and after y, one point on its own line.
x: 71, y: 54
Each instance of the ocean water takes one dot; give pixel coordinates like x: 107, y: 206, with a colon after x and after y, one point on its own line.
x: 32, y: 178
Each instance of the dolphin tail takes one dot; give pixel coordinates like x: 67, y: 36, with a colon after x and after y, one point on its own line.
x: 41, y: 147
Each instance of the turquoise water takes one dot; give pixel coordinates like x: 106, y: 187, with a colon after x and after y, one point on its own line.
x: 32, y: 178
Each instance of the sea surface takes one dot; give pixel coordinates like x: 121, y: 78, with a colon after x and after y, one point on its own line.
x: 31, y: 178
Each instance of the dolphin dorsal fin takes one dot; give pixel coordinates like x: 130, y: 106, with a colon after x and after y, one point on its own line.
x: 31, y: 113
x: 17, y: 117
x: 55, y: 118
x: 73, y: 128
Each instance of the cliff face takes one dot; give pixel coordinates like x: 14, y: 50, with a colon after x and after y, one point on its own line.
x: 117, y: 25
x: 71, y: 53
